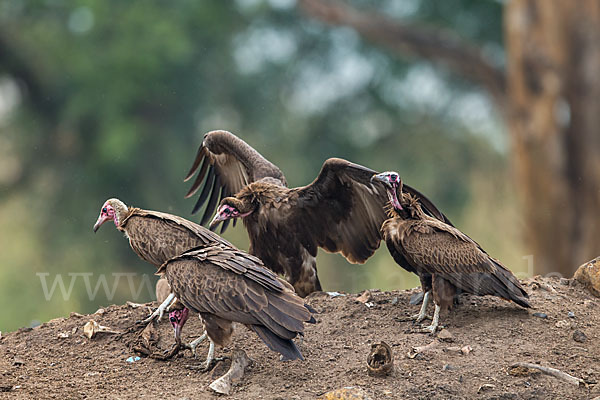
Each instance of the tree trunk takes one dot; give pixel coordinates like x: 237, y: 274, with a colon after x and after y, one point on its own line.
x: 553, y: 77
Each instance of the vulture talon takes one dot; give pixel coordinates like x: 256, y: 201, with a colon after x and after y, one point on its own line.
x: 193, y: 344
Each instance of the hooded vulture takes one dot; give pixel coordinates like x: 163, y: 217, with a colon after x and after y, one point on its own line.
x: 225, y: 285
x: 445, y: 259
x: 156, y: 236
x: 340, y: 211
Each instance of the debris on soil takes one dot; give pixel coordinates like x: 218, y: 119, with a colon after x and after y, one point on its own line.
x: 365, y: 297
x: 579, y: 336
x: 224, y: 384
x: 552, y: 372
x: 485, y: 387
x: 136, y: 305
x: 588, y: 275
x: 416, y: 299
x: 571, y: 314
x: 92, y: 328
x: 347, y: 393
x: 380, y: 361
x: 335, y: 294
x: 133, y: 359
x: 500, y: 333
x: 540, y: 315
x: 445, y: 336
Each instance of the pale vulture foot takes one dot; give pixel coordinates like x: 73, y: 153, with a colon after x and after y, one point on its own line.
x: 210, y: 359
x: 423, y: 311
x: 434, y: 323
x: 192, y: 345
x: 160, y: 311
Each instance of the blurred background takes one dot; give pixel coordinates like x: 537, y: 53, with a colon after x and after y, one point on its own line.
x: 477, y: 103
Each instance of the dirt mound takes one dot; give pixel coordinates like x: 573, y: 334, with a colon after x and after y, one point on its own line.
x: 55, y: 360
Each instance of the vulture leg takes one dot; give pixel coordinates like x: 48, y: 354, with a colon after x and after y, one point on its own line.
x: 435, y: 322
x: 158, y: 313
x: 423, y: 312
x: 192, y: 345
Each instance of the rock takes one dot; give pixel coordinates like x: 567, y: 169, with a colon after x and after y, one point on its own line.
x: 17, y: 361
x: 380, y: 361
x: 466, y: 350
x: 100, y: 311
x: 579, y: 336
x: 347, y: 393
x: 485, y: 387
x: 588, y: 275
x: 448, y: 367
x: 394, y: 300
x: 540, y: 315
x: 453, y: 349
x: 365, y: 297
x: 75, y: 315
x: 445, y: 336
x: 416, y: 298
x: 571, y: 314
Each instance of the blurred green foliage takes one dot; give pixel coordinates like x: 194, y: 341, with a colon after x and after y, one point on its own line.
x: 111, y: 98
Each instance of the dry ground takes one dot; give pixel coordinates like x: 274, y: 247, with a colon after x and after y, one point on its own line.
x: 55, y: 360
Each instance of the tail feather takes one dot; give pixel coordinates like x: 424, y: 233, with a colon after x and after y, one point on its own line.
x: 286, y: 347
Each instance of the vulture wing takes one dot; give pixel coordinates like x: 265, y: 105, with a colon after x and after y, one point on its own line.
x: 235, y: 286
x: 342, y: 210
x: 228, y: 164
x: 157, y: 237
x: 443, y: 250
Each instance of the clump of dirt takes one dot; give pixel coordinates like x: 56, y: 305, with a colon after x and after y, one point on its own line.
x: 483, y: 338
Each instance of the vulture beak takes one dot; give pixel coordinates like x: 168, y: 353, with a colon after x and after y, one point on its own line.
x: 381, y: 178
x: 101, y: 219
x: 217, y: 218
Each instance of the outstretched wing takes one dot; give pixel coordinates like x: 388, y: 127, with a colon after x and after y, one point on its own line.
x: 226, y: 164
x: 342, y: 210
x: 445, y: 251
x: 235, y: 286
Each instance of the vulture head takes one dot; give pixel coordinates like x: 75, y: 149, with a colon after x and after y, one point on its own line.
x: 393, y: 184
x: 232, y: 207
x: 177, y: 319
x: 112, y: 209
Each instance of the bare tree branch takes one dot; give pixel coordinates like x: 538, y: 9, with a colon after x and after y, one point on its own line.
x: 436, y: 45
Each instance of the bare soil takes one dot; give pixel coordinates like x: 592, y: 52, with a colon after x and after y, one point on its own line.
x: 55, y: 360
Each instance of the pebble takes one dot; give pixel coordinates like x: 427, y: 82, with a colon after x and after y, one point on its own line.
x: 133, y: 359
x: 395, y: 300
x: 540, y: 315
x: 571, y: 314
x: 579, y: 336
x: 563, y: 324
x: 448, y: 367
x: 445, y: 336
x: 416, y: 298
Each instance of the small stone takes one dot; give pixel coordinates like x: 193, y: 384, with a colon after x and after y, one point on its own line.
x: 579, y: 336
x: 75, y: 315
x: 466, y: 350
x: 565, y: 281
x: 485, y: 387
x: 448, y: 367
x: 18, y: 361
x: 540, y: 315
x: 394, y: 300
x: 445, y: 336
x: 63, y: 335
x: 365, y: 297
x: 571, y: 314
x: 416, y: 298
x: 453, y: 349
x: 588, y: 275
x: 100, y: 311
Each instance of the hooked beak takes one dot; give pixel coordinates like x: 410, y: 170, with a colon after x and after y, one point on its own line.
x: 217, y: 218
x: 381, y: 178
x: 101, y: 219
x: 177, y: 329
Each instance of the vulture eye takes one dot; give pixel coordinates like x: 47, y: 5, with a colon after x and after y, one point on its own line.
x: 104, y: 210
x: 173, y: 319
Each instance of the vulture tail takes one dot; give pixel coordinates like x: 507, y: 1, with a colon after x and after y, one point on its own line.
x: 285, y: 347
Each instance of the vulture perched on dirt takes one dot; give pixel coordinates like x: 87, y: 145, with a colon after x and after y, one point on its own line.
x: 155, y: 236
x: 340, y: 211
x: 446, y: 260
x: 225, y: 285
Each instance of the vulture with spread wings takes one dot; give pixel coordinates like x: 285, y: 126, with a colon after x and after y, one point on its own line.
x: 446, y: 260
x: 226, y: 285
x: 340, y: 211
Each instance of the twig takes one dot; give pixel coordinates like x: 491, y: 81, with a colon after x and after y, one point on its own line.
x: 552, y: 372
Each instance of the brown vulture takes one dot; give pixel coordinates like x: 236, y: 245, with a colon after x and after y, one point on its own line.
x: 446, y: 260
x: 225, y: 285
x: 340, y: 211
x: 156, y: 236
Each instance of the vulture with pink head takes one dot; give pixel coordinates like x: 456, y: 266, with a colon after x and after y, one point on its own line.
x: 155, y: 236
x: 340, y: 211
x: 446, y: 260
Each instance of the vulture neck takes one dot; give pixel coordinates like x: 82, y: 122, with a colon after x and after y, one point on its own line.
x: 410, y: 207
